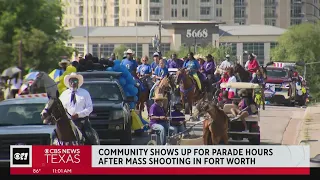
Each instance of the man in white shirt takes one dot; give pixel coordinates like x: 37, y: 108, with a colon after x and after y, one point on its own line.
x: 232, y: 79
x: 226, y: 63
x: 78, y: 104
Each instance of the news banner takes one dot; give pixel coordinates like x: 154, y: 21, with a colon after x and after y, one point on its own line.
x: 148, y: 160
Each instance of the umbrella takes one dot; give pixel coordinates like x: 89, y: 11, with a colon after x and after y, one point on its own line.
x: 55, y: 74
x: 9, y: 72
x: 31, y: 76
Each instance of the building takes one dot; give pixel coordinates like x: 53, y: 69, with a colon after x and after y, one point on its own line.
x: 258, y: 39
x: 244, y: 12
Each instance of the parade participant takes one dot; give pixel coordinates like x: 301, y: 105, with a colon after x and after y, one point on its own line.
x: 15, y: 83
x: 224, y: 79
x: 193, y: 67
x: 155, y: 63
x: 144, y: 69
x: 80, y: 56
x: 160, y: 72
x: 209, y: 66
x: 78, y: 104
x: 232, y: 78
x: 174, y: 62
x: 253, y: 64
x: 226, y: 63
x: 63, y: 65
x: 158, y: 119
x: 258, y: 79
x: 245, y: 108
x: 178, y: 119
x: 224, y: 100
x: 112, y: 57
x: 130, y: 63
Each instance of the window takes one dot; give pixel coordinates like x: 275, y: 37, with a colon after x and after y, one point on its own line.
x: 155, y: 1
x: 232, y: 48
x: 239, y: 3
x: 133, y: 47
x: 185, y: 12
x: 116, y: 22
x: 95, y: 50
x: 240, y: 21
x: 270, y: 3
x: 80, y: 21
x: 106, y: 49
x: 257, y: 49
x: 138, y: 12
x: 69, y: 44
x: 205, y: 1
x: 184, y: 2
x: 218, y: 12
x: 218, y: 1
x: 174, y: 12
x: 174, y: 2
x: 296, y: 9
x: 239, y: 12
x: 103, y: 91
x: 295, y: 21
x: 273, y: 45
x: 155, y: 11
x: 277, y: 73
x: 80, y: 10
x: 164, y: 49
x: 270, y: 22
x: 270, y: 12
x: 79, y: 48
x: 205, y: 10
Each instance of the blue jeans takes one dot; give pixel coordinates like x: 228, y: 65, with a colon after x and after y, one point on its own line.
x: 179, y: 129
x: 163, y: 128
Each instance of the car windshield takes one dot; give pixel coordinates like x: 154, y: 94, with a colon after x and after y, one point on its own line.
x: 103, y: 91
x: 21, y: 114
x: 277, y: 73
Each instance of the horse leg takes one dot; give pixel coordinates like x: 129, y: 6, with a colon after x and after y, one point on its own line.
x: 212, y: 135
x: 225, y: 138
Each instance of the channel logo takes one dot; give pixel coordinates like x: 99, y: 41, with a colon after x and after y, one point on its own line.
x: 20, y: 156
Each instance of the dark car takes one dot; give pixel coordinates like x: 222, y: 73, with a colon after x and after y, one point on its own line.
x: 111, y: 116
x: 21, y: 124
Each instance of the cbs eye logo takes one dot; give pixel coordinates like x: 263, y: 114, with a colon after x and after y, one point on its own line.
x: 20, y: 156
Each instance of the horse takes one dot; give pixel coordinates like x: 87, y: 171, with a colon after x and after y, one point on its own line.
x: 189, y: 93
x: 164, y: 88
x: 144, y: 90
x: 215, y: 127
x: 67, y: 133
x: 244, y: 75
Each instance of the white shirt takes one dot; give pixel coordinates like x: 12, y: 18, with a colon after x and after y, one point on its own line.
x: 83, y: 105
x: 247, y: 64
x: 231, y: 80
x: 225, y: 64
x: 15, y: 84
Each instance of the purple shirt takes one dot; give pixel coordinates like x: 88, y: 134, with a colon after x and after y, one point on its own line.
x: 177, y: 114
x: 175, y: 63
x: 209, y: 67
x: 156, y: 110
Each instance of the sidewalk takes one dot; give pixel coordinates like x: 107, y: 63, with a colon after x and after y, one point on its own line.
x: 310, y: 130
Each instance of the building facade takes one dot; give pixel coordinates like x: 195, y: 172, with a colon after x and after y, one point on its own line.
x: 258, y: 39
x: 278, y: 13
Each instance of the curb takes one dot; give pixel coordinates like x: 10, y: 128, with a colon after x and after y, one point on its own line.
x: 306, y: 116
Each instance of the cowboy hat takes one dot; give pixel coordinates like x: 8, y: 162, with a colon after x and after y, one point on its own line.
x: 129, y: 51
x: 64, y: 61
x: 159, y: 97
x: 73, y: 75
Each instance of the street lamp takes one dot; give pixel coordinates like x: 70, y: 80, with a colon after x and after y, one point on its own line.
x: 87, y: 27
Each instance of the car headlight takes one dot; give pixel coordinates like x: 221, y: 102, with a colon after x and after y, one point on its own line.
x: 118, y: 114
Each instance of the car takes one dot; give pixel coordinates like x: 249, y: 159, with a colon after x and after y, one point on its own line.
x: 21, y: 124
x: 111, y: 116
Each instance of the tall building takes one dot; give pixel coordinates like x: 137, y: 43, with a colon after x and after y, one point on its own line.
x: 278, y: 13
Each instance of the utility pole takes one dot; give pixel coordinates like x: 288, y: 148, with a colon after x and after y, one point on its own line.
x: 20, y: 54
x: 195, y: 45
x: 160, y: 27
x: 87, y: 27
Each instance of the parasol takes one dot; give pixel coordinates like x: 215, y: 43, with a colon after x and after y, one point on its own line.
x: 9, y: 72
x: 31, y: 76
x: 55, y: 74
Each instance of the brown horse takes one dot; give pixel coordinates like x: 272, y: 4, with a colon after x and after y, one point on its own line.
x: 143, y: 94
x: 189, y: 93
x: 244, y: 75
x: 215, y: 127
x: 162, y: 88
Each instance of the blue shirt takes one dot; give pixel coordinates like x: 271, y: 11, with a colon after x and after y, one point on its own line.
x: 144, y: 69
x: 192, y: 65
x: 131, y: 65
x: 161, y: 72
x: 153, y: 65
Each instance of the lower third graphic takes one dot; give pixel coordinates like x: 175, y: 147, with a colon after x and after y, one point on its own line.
x: 20, y: 156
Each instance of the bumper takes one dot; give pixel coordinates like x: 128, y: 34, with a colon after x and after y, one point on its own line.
x: 279, y: 97
x: 114, y: 129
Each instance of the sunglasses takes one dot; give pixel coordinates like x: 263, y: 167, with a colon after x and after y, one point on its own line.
x: 74, y: 80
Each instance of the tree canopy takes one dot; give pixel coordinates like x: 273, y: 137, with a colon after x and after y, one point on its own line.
x: 302, y: 43
x: 38, y: 25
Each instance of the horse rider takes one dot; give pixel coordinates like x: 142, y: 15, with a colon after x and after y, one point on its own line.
x: 253, y: 64
x: 226, y: 63
x: 78, y: 104
x: 155, y: 63
x: 258, y: 79
x: 130, y: 63
x: 158, y: 120
x: 144, y: 71
x: 160, y: 72
x: 209, y: 67
x: 193, y: 66
x: 174, y: 62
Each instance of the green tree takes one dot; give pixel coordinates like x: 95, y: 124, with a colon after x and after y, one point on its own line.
x: 301, y: 43
x: 37, y: 24
x: 119, y: 51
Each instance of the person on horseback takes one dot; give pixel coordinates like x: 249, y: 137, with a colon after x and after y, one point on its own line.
x: 144, y: 71
x: 257, y: 78
x: 193, y: 66
x: 253, y: 64
x: 159, y: 73
x: 226, y: 63
x: 130, y: 63
x: 174, y: 62
x: 155, y: 63
x: 78, y: 104
x: 232, y: 78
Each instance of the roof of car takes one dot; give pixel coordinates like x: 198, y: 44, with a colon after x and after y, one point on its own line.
x: 33, y: 100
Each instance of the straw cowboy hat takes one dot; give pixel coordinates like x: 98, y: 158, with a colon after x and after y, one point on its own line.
x: 64, y: 61
x: 73, y: 75
x: 159, y: 97
x: 129, y: 51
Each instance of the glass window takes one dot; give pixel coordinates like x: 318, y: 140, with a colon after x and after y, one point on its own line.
x: 154, y: 11
x: 273, y: 45
x: 95, y: 50
x: 106, y: 49
x: 19, y: 114
x: 239, y: 12
x: 232, y: 46
x: 205, y: 10
x: 277, y: 73
x: 103, y: 91
x: 255, y: 48
x: 80, y: 48
x: 270, y: 22
x: 240, y: 21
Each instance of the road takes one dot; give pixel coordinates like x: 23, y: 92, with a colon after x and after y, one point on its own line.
x: 273, y: 123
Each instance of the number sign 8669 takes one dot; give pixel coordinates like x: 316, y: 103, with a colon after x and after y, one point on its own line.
x: 201, y: 33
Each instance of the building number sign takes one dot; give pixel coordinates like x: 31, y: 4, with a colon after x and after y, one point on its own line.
x: 197, y: 33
